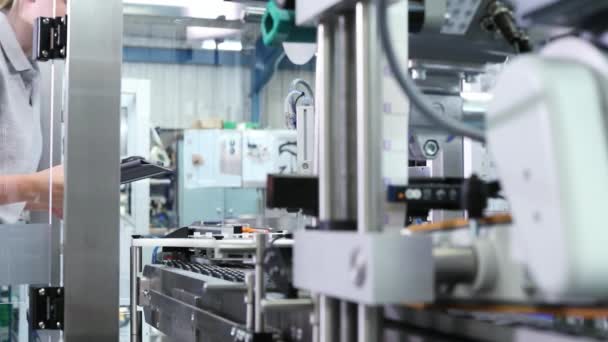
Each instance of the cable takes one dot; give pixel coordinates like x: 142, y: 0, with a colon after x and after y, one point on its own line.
x: 502, y: 18
x: 498, y: 219
x: 299, y: 81
x: 408, y: 86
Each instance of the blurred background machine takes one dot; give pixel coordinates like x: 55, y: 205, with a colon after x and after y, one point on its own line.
x: 448, y: 187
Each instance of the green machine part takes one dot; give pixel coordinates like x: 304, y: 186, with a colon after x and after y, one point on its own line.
x: 279, y: 26
x: 6, y: 309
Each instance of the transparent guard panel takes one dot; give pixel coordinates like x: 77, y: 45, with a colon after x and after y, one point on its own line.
x: 30, y: 188
x: 202, y: 95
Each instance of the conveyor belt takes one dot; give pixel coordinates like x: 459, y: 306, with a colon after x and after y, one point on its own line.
x: 226, y: 273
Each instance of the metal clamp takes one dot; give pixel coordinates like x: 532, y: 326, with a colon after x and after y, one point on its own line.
x: 46, y: 308
x: 50, y: 38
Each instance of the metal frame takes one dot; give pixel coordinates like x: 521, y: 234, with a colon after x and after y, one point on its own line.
x: 91, y: 246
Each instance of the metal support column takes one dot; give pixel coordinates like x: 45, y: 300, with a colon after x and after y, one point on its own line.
x: 337, y: 151
x: 260, y: 289
x: 135, y: 314
x: 250, y: 301
x: 328, y: 319
x: 369, y: 152
x: 328, y: 313
x: 92, y: 170
x: 348, y: 322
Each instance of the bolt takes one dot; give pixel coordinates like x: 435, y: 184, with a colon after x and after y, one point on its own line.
x: 59, y: 291
x: 45, y: 53
x: 46, y: 21
x: 305, y: 166
x: 41, y: 292
x: 438, y: 107
x: 358, y: 267
x: 62, y: 51
x: 418, y: 74
x: 58, y: 325
x: 431, y: 148
x: 41, y: 325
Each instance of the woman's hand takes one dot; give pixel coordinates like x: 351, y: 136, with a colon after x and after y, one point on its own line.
x: 41, y: 186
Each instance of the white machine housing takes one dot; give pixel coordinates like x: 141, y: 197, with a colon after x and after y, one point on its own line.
x: 548, y: 131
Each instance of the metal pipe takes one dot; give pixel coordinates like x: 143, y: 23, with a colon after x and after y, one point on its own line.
x: 328, y: 313
x: 370, y: 188
x: 249, y: 300
x: 260, y: 290
x: 287, y: 304
x: 233, y: 244
x: 343, y: 119
x: 328, y: 319
x: 348, y: 322
x: 369, y: 121
x: 455, y: 265
x: 370, y: 323
x: 314, y: 319
x: 323, y: 108
x: 136, y: 318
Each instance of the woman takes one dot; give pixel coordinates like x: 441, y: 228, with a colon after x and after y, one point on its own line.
x: 21, y: 187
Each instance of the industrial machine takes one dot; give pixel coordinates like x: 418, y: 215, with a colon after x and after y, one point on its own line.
x: 493, y: 233
x: 447, y: 184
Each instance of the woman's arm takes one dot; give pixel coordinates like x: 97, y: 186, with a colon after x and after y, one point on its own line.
x: 17, y: 188
x: 34, y: 189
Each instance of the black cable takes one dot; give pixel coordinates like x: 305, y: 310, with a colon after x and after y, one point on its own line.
x: 409, y: 87
x: 503, y: 19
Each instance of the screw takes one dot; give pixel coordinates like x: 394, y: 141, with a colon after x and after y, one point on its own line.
x: 358, y: 267
x: 62, y: 51
x: 41, y: 325
x: 431, y: 148
x: 41, y: 292
x: 59, y: 291
x: 45, y: 53
x: 46, y: 21
x: 58, y: 325
x: 305, y: 166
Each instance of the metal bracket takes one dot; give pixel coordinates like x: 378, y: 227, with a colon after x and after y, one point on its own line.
x: 50, y: 38
x: 46, y: 308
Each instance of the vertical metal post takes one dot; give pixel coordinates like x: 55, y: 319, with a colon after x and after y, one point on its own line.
x: 323, y: 108
x: 328, y: 319
x: 338, y: 173
x: 249, y: 301
x: 369, y: 120
x: 343, y: 120
x: 315, y: 319
x: 348, y: 322
x: 370, y: 320
x: 136, y: 318
x: 325, y: 52
x: 92, y: 172
x: 369, y: 138
x: 260, y: 289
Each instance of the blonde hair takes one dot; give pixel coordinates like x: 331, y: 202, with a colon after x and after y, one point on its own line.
x: 6, y: 4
